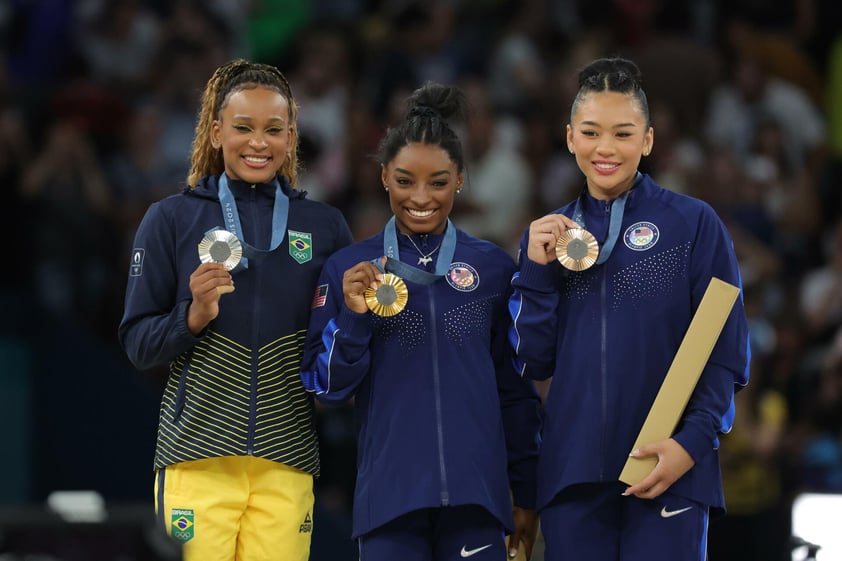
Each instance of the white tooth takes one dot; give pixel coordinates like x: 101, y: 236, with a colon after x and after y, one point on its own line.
x: 420, y: 213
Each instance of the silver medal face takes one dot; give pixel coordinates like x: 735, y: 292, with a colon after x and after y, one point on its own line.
x: 221, y: 246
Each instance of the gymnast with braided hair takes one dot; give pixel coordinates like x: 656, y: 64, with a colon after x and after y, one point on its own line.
x: 221, y: 283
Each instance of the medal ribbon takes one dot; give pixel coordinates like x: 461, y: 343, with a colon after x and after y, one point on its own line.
x: 397, y: 267
x: 614, y: 224
x: 231, y: 217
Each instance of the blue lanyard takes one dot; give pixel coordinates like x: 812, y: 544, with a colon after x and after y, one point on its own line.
x: 408, y: 272
x: 231, y: 217
x: 618, y: 207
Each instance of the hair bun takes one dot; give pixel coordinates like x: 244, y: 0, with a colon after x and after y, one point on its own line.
x: 620, y: 69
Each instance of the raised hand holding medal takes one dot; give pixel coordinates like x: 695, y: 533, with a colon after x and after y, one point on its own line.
x: 576, y: 249
x: 389, y: 297
x: 221, y: 246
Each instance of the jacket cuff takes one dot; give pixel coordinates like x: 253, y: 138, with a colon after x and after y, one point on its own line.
x: 182, y: 331
x: 535, y: 276
x: 694, y: 441
x: 355, y: 326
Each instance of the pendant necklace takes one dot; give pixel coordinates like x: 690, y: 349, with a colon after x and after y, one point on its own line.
x: 424, y: 259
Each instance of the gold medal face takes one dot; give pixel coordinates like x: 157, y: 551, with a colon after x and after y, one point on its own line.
x: 576, y: 249
x: 221, y: 246
x: 389, y: 298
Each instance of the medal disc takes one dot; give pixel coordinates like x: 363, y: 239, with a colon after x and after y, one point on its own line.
x: 576, y: 249
x: 221, y: 246
x: 389, y: 298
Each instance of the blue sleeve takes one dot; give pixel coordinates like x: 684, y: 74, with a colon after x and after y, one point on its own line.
x: 710, y: 410
x: 533, y: 308
x: 153, y: 330
x: 521, y: 414
x: 336, y: 354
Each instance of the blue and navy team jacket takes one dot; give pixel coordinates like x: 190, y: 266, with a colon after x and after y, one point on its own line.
x: 607, y: 336
x: 234, y: 389
x: 440, y: 410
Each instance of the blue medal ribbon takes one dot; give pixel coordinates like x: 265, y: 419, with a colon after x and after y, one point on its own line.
x: 407, y: 272
x: 618, y: 207
x: 231, y: 217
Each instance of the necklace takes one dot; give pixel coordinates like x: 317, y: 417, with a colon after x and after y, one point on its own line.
x: 424, y: 259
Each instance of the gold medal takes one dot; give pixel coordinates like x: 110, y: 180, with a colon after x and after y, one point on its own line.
x: 576, y: 249
x: 221, y: 246
x: 389, y: 298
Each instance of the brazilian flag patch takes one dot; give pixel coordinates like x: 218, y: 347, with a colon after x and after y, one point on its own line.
x: 182, y: 524
x: 300, y: 245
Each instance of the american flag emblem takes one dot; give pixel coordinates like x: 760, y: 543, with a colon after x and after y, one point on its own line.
x: 319, y: 297
x: 641, y: 236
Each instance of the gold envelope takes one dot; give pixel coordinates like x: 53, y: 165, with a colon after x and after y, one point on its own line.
x: 683, y: 374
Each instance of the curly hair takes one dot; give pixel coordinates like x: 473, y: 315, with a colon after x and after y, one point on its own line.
x: 237, y: 75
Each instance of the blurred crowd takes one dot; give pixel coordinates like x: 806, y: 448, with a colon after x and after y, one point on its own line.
x: 98, y: 102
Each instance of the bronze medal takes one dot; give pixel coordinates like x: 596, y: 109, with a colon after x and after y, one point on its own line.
x: 576, y: 249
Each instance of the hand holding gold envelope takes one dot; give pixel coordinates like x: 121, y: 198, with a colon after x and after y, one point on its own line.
x: 221, y: 246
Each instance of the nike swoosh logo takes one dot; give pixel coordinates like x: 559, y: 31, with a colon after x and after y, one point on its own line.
x: 670, y: 513
x: 469, y: 552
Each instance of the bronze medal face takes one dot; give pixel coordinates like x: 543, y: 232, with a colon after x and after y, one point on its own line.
x: 577, y: 249
x: 221, y: 246
x: 389, y: 298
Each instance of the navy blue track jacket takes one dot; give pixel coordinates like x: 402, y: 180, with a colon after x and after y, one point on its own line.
x: 607, y: 336
x: 234, y: 389
x: 443, y: 418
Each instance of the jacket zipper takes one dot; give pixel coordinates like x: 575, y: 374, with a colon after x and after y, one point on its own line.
x: 603, y: 358
x: 445, y: 496
x: 253, y: 393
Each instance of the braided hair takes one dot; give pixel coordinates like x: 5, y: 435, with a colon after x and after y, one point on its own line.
x: 425, y: 121
x: 237, y: 75
x: 612, y: 75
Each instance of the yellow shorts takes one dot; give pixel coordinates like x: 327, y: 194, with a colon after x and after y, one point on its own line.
x: 236, y: 508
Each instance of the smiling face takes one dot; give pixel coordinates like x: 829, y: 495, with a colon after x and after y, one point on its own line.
x: 608, y: 135
x: 422, y: 182
x: 253, y: 130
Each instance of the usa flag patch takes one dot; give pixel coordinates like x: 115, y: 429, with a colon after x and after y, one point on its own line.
x: 319, y: 297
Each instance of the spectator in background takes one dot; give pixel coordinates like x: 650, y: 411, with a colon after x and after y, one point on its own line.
x: 119, y: 42
x: 821, y: 290
x: 65, y: 187
x: 498, y: 188
x: 322, y: 76
x: 738, y: 108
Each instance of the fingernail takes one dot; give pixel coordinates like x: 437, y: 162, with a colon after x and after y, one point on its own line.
x: 634, y: 453
x: 379, y: 276
x: 513, y: 553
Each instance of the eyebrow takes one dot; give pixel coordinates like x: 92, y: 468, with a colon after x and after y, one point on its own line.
x: 435, y: 173
x: 617, y: 126
x: 250, y: 118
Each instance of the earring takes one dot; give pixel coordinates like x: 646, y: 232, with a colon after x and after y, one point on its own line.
x: 385, y: 187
